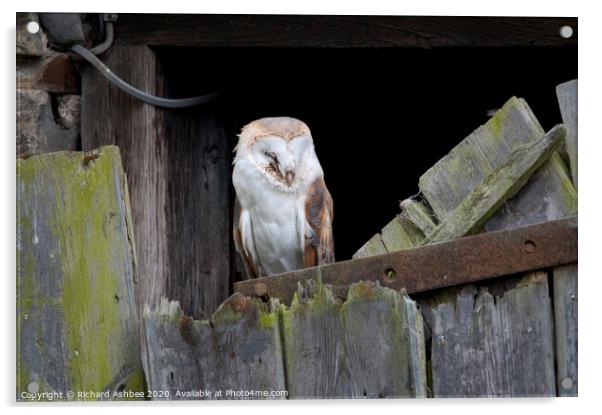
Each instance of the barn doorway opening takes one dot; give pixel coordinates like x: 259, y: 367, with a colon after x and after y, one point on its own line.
x: 380, y: 117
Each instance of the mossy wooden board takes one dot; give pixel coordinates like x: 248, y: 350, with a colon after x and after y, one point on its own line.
x: 76, y: 318
x: 567, y: 100
x: 499, y: 186
x: 548, y: 193
x: 238, y: 350
x: 371, y: 345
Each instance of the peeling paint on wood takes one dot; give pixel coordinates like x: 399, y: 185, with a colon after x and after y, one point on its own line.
x: 76, y: 317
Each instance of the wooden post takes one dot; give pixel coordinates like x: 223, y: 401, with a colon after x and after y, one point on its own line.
x: 109, y: 116
x: 77, y: 326
x: 177, y: 163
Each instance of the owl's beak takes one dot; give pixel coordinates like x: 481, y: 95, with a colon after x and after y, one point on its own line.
x: 289, y: 176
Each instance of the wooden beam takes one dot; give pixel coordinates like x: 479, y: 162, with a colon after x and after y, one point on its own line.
x: 341, y: 31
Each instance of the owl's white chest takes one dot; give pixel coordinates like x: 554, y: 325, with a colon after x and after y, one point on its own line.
x: 276, y: 221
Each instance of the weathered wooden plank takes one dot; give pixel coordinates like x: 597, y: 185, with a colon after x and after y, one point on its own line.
x: 371, y: 345
x: 374, y: 246
x: 341, y: 31
x: 178, y: 167
x: 77, y: 326
x: 109, y: 116
x: 488, y: 345
x: 419, y: 214
x: 567, y: 99
x: 565, y: 317
x: 400, y: 234
x: 480, y: 204
x: 198, y: 210
x: 235, y: 355
x: 548, y: 195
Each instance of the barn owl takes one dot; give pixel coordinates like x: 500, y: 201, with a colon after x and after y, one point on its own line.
x: 283, y: 217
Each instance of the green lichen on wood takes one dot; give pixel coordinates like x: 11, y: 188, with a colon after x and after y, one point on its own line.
x: 498, y: 187
x: 367, y: 345
x: 74, y: 251
x: 238, y: 348
x: 419, y: 215
x: 374, y: 246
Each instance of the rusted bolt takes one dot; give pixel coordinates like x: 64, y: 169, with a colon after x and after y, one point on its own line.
x: 390, y: 274
x: 260, y: 289
x: 529, y: 246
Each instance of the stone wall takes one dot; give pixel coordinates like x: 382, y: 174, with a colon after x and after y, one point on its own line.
x: 48, y: 92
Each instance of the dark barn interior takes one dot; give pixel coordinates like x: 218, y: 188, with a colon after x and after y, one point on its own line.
x: 384, y: 97
x: 380, y: 117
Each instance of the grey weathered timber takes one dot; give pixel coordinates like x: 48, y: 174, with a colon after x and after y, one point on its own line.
x: 565, y: 317
x: 567, y: 100
x: 374, y: 246
x: 110, y: 116
x: 77, y: 326
x: 372, y: 345
x: 400, y: 233
x: 235, y: 352
x: 212, y: 30
x: 549, y: 194
x: 177, y: 164
x: 489, y: 344
x: 486, y: 198
x: 419, y: 214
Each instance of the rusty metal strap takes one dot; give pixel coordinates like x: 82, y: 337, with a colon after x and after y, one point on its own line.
x: 463, y: 260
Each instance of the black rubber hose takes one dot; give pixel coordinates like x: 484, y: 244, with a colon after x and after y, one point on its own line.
x: 141, y: 95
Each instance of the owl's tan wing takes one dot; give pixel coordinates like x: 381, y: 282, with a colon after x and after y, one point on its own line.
x: 240, y: 235
x: 319, y: 248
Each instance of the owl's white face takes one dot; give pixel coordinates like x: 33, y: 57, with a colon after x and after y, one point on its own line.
x: 281, y: 161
